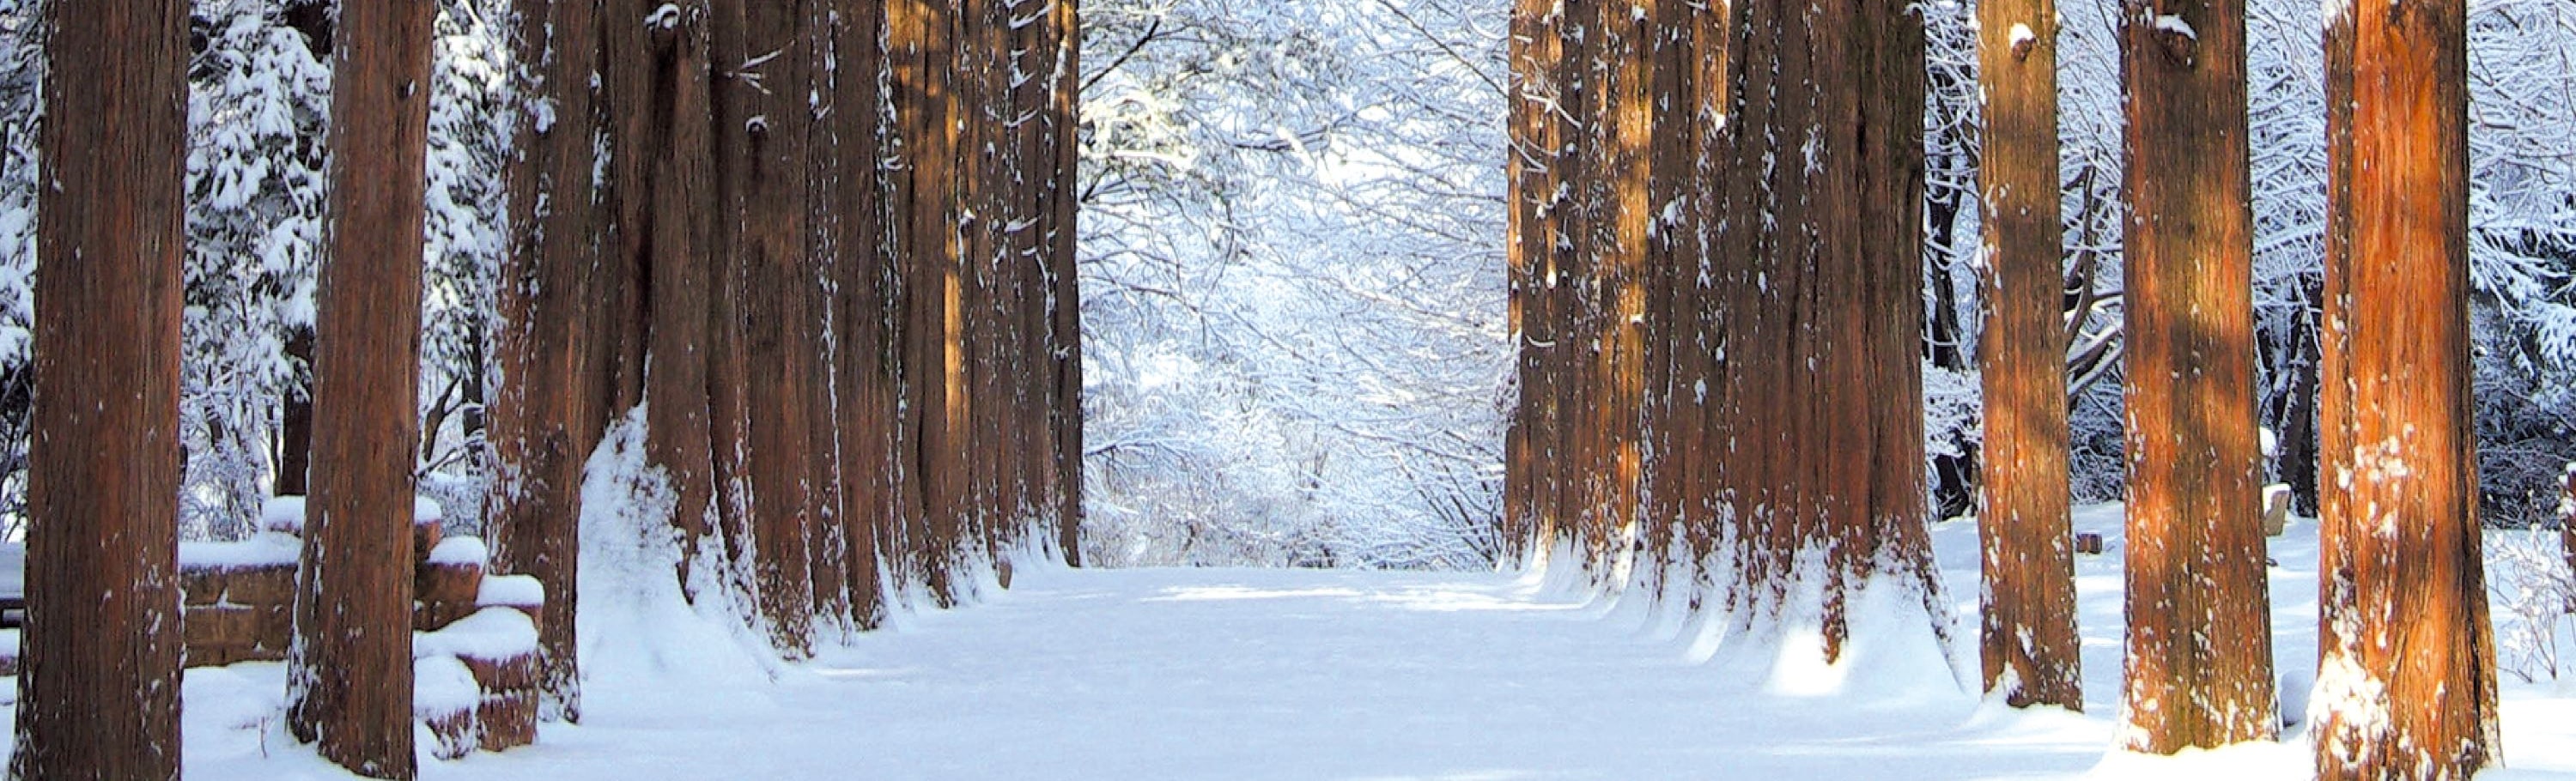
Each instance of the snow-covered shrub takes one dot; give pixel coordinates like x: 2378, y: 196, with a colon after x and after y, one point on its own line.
x: 21, y: 82
x: 465, y: 236
x: 2532, y: 603
x: 1295, y: 347
x: 1953, y: 416
x: 258, y: 104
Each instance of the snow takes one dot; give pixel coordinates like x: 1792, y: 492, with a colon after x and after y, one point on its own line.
x: 511, y: 591
x: 459, y: 551
x: 2022, y: 36
x: 265, y: 549
x: 282, y: 514
x: 1300, y: 674
x: 2174, y: 25
x: 492, y: 634
x: 287, y: 513
x: 442, y: 685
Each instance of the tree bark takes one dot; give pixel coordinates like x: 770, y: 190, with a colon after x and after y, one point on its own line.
x: 350, y: 687
x: 1817, y: 244
x: 103, y: 471
x: 295, y: 423
x: 919, y: 49
x: 657, y: 80
x: 760, y: 119
x: 1064, y: 273
x: 2406, y: 683
x: 2200, y: 636
x: 2028, y: 643
x: 861, y: 305
x: 547, y: 413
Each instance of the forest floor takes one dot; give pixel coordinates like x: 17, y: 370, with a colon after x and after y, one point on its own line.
x: 1287, y: 674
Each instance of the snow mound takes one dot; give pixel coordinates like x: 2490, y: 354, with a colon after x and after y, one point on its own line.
x: 459, y: 551
x: 265, y: 549
x: 426, y: 511
x: 442, y: 686
x: 283, y: 514
x: 640, y: 630
x: 512, y: 591
x: 490, y: 635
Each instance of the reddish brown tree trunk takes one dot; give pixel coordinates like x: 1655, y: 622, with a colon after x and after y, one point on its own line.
x: 546, y: 411
x: 760, y: 119
x: 1526, y: 168
x: 827, y: 258
x: 861, y: 306
x: 656, y: 76
x: 350, y: 686
x: 2406, y: 684
x: 2567, y: 518
x: 99, y: 693
x: 2200, y: 634
x: 1816, y: 250
x: 1612, y: 241
x: 295, y: 423
x: 1065, y: 286
x: 2029, y: 647
x: 919, y: 50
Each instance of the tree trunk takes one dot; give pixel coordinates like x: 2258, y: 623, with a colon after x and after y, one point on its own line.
x: 1528, y: 163
x: 1818, y: 242
x: 546, y: 412
x: 1064, y: 25
x: 862, y: 300
x: 350, y: 687
x: 1618, y: 126
x: 656, y: 75
x: 103, y: 469
x: 919, y: 48
x: 2029, y: 646
x: 760, y: 119
x: 2406, y: 683
x: 295, y: 423
x: 2200, y: 636
x: 1545, y: 93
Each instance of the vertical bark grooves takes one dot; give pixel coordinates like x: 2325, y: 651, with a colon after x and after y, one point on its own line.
x: 863, y: 301
x: 2028, y: 636
x: 2200, y: 637
x: 2406, y: 681
x: 918, y: 46
x: 546, y: 414
x: 103, y: 470
x: 1065, y: 278
x: 350, y: 672
x: 295, y: 423
x: 760, y: 121
x: 1716, y: 260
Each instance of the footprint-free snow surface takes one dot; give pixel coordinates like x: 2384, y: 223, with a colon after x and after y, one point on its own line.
x: 1246, y: 674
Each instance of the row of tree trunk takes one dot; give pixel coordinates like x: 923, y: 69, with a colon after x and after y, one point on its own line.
x: 1715, y: 277
x: 826, y: 244
x: 829, y: 251
x: 1716, y: 259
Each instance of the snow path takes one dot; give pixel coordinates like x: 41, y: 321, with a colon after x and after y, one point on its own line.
x: 1277, y: 674
x: 1302, y: 674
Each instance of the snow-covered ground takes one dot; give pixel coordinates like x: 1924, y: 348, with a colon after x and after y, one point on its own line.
x: 1280, y: 674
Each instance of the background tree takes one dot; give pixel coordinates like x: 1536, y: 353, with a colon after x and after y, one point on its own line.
x: 2406, y: 675
x: 2199, y: 671
x: 99, y: 696
x: 546, y: 413
x: 350, y: 665
x: 762, y: 110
